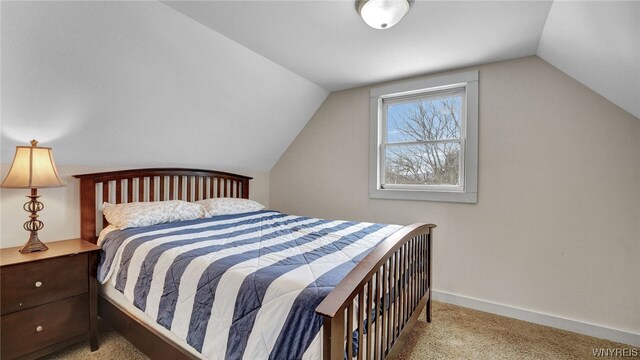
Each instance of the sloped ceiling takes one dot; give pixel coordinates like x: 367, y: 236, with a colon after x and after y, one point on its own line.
x: 118, y: 84
x: 143, y: 84
x: 598, y: 44
x: 326, y: 42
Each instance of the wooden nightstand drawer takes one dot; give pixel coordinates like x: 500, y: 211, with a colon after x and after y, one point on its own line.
x: 44, y: 325
x: 40, y: 282
x: 48, y: 299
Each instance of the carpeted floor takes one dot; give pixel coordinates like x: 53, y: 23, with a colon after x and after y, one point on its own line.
x: 455, y: 333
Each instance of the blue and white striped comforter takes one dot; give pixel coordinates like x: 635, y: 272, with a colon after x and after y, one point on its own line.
x: 238, y: 286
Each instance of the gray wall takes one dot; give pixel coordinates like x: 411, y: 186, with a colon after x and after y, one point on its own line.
x: 555, y: 229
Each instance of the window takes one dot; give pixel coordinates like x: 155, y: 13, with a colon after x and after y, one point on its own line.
x: 424, y: 139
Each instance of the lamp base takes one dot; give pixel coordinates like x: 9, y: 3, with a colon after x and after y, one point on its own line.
x: 33, y: 225
x: 33, y: 245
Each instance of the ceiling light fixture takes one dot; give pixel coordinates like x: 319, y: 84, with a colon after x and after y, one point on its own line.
x: 382, y: 14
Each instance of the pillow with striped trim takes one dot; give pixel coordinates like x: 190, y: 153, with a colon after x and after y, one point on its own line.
x: 139, y: 214
x: 228, y: 206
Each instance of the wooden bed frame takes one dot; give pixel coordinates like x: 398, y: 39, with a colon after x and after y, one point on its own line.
x: 403, y: 260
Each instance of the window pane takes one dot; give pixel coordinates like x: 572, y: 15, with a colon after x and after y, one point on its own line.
x: 424, y: 119
x: 423, y: 164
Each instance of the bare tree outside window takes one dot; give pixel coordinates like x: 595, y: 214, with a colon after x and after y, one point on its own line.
x: 423, y: 141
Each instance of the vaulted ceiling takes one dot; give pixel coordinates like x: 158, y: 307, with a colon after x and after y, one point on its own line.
x: 141, y: 83
x: 597, y: 43
x: 135, y: 83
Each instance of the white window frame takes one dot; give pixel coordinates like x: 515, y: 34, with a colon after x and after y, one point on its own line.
x: 381, y: 97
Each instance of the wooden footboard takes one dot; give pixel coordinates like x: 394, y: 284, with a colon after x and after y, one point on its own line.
x: 365, y: 315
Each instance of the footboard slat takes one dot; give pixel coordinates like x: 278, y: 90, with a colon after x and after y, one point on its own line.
x: 410, y: 262
x: 350, y: 331
x: 396, y: 305
x: 396, y: 279
x: 416, y: 275
x: 369, y: 323
x: 384, y: 317
x: 393, y: 289
x: 419, y: 271
x: 379, y: 318
x: 361, y: 313
x: 413, y: 273
x: 381, y: 345
x: 409, y: 300
x: 403, y: 264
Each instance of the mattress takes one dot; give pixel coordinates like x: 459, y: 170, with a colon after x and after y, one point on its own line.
x: 236, y: 286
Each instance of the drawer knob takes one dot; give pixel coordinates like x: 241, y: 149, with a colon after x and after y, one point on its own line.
x: 38, y: 283
x: 39, y: 328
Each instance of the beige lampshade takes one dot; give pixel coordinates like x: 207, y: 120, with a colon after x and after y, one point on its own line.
x: 33, y: 167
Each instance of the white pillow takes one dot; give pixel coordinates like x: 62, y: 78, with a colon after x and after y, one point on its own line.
x: 139, y: 214
x: 228, y: 206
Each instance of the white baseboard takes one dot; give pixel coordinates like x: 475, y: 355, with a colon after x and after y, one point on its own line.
x: 579, y: 327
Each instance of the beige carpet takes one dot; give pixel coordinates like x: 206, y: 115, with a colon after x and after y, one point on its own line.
x: 455, y: 333
x: 461, y: 333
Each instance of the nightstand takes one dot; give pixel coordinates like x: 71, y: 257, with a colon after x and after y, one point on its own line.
x: 48, y: 299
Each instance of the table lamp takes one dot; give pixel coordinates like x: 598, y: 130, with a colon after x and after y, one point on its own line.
x: 32, y: 168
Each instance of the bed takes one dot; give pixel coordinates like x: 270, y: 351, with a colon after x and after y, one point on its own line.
x: 375, y: 279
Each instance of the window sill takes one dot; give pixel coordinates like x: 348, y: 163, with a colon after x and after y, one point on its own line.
x: 423, y: 195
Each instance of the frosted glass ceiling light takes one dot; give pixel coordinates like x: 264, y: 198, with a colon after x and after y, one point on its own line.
x: 382, y: 14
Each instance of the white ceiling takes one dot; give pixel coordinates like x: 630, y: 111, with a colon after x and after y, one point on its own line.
x: 328, y: 43
x: 139, y: 84
x: 598, y: 44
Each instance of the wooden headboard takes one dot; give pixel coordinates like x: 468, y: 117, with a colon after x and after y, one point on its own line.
x: 156, y: 184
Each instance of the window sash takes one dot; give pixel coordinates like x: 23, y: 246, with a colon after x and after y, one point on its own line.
x: 422, y: 95
x: 444, y: 187
x: 427, y: 95
x: 440, y: 188
x: 441, y: 141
